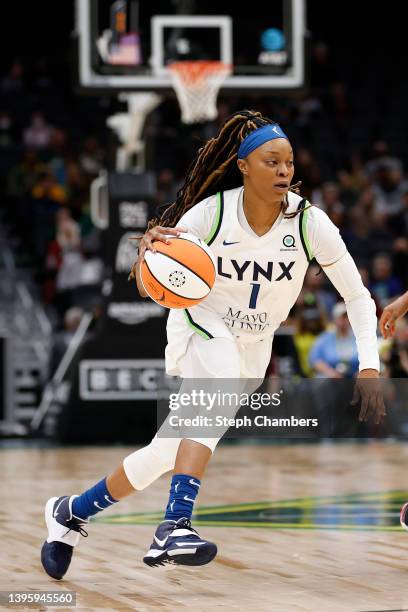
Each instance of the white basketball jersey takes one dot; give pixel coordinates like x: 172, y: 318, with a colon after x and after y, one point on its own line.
x: 258, y: 277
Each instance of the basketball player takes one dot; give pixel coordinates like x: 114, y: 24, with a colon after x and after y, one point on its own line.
x: 238, y: 198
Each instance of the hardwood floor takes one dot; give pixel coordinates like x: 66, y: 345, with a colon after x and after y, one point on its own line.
x: 299, y: 528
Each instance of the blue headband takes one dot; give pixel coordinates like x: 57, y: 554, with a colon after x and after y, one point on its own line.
x: 258, y: 137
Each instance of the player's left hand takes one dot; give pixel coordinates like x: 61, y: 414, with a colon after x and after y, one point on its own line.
x: 367, y: 389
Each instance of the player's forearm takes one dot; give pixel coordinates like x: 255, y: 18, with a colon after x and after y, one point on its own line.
x: 363, y: 320
x: 361, y: 309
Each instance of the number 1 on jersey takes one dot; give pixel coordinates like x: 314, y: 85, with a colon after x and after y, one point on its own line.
x: 254, y: 294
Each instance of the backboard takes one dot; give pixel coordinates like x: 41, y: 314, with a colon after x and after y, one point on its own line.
x: 126, y: 45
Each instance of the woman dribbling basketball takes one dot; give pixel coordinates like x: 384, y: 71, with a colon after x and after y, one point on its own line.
x: 237, y: 198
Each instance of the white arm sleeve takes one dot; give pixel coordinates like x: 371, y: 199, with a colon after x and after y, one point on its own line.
x: 331, y: 253
x: 199, y: 219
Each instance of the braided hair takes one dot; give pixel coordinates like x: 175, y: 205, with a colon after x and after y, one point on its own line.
x: 215, y: 167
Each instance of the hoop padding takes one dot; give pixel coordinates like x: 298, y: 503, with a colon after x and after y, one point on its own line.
x: 197, y: 84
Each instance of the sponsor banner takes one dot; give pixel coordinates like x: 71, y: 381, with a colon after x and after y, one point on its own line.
x: 124, y: 379
x: 131, y: 198
x: 133, y: 215
x: 134, y: 313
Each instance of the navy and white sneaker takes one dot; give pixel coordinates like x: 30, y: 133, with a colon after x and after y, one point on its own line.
x: 404, y: 516
x: 176, y: 542
x: 64, y: 531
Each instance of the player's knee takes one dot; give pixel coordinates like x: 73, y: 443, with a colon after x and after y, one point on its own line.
x: 145, y: 465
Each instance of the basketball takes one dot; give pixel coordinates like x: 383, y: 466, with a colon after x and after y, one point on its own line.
x: 179, y: 274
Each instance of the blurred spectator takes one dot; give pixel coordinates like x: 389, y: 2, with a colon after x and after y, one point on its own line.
x: 38, y: 134
x: 307, y: 171
x: 327, y: 197
x: 380, y: 155
x: 7, y: 130
x: 309, y: 324
x: 56, y: 152
x: 384, y: 285
x: 322, y: 70
x: 398, y: 224
x: 41, y: 75
x: 285, y: 359
x: 400, y: 259
x: 91, y: 157
x: 25, y: 174
x: 47, y: 188
x: 364, y: 238
x: 314, y: 293
x: 389, y: 187
x: 46, y: 198
x: 64, y: 262
x: 61, y: 340
x: 334, y: 354
x: 308, y: 106
x: 351, y: 179
x: 13, y: 83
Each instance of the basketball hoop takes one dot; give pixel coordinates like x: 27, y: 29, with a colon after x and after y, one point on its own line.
x: 197, y: 84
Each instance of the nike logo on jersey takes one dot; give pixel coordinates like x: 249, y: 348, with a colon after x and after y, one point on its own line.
x: 252, y: 270
x: 225, y: 243
x: 176, y: 487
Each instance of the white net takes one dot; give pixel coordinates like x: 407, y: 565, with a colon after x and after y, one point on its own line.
x: 197, y: 85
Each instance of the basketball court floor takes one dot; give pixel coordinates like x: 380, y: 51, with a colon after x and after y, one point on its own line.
x: 299, y: 527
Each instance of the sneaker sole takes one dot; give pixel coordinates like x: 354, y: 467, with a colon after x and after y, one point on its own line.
x: 202, y: 556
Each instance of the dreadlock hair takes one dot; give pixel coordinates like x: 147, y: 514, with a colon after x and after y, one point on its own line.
x: 215, y: 168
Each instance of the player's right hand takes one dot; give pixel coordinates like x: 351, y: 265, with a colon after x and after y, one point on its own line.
x: 156, y: 233
x: 391, y: 314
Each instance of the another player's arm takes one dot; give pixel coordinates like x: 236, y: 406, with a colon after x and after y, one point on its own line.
x: 391, y: 313
x: 146, y: 243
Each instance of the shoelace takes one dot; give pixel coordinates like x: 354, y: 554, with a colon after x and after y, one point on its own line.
x: 186, y: 523
x: 75, y: 525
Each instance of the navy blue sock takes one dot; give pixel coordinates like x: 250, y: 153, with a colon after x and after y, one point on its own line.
x: 183, y: 491
x: 93, y: 501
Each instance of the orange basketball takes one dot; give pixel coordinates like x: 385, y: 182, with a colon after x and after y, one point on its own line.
x: 179, y: 274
